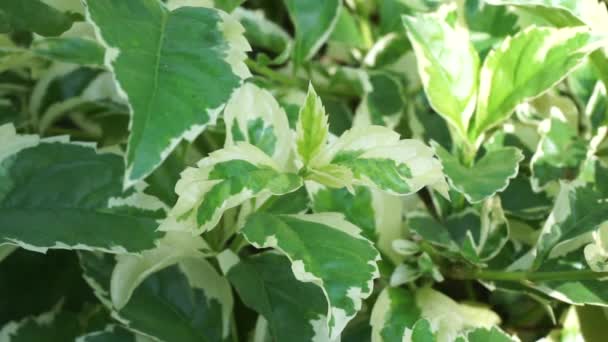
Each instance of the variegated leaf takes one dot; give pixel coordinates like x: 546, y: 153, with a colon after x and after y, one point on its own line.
x: 525, y: 66
x: 224, y: 180
x: 447, y: 64
x: 50, y: 189
x: 263, y: 281
x: 321, y: 247
x: 184, y: 302
x: 312, y: 129
x: 254, y: 116
x: 176, y: 68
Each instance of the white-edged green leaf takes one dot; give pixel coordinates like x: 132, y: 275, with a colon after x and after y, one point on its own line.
x: 384, y: 104
x: 565, y: 12
x: 525, y: 66
x: 265, y: 34
x: 596, y: 253
x: 489, y: 175
x: 321, y: 247
x: 49, y: 190
x: 11, y: 142
x: 378, y: 158
x: 578, y: 211
x: 176, y: 68
x: 394, y: 315
x: 588, y: 289
x: 183, y: 302
x: 113, y: 333
x: 313, y: 20
x: 312, y: 129
x: 447, y: 64
x: 264, y: 281
x: 402, y: 315
x: 131, y: 270
x: 54, y: 325
x: 519, y: 200
x: 254, y: 116
x: 224, y: 180
x: 559, y: 155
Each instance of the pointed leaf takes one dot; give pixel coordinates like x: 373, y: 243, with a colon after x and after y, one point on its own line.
x: 36, y: 16
x: 54, y: 325
x: 312, y: 129
x: 177, y: 69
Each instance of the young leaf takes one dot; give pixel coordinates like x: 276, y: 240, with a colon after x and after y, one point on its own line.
x: 265, y: 34
x: 377, y: 158
x: 176, y: 68
x: 183, y: 302
x: 321, y: 247
x: 312, y: 129
x: 254, y: 116
x: 224, y: 180
x: 50, y: 189
x: 489, y: 175
x: 447, y: 64
x: 525, y: 66
x: 313, y: 20
x: 263, y: 281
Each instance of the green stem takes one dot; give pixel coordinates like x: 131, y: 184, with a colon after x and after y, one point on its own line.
x: 518, y: 276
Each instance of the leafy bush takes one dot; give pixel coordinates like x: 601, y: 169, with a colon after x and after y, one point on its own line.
x: 303, y: 170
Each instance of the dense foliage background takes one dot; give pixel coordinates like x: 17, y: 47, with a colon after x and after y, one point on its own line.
x: 303, y: 170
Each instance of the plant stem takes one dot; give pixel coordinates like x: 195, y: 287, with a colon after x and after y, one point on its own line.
x: 518, y: 276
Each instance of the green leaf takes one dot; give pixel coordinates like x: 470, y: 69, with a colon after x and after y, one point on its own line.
x: 519, y: 200
x: 578, y: 210
x: 478, y: 234
x: 525, y: 66
x: 71, y: 50
x: 36, y: 16
x: 489, y: 175
x: 347, y: 31
x: 377, y: 214
x: 254, y: 116
x: 394, y: 315
x: 422, y: 332
x: 54, y: 325
x: 50, y: 189
x: 294, y: 310
x: 321, y: 247
x: 183, y: 302
x: 385, y: 103
x: 448, y: 66
x: 263, y: 33
x: 560, y: 154
x: 175, y: 87
x: 312, y: 129
x: 378, y: 158
x: 314, y: 21
x: 224, y: 180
